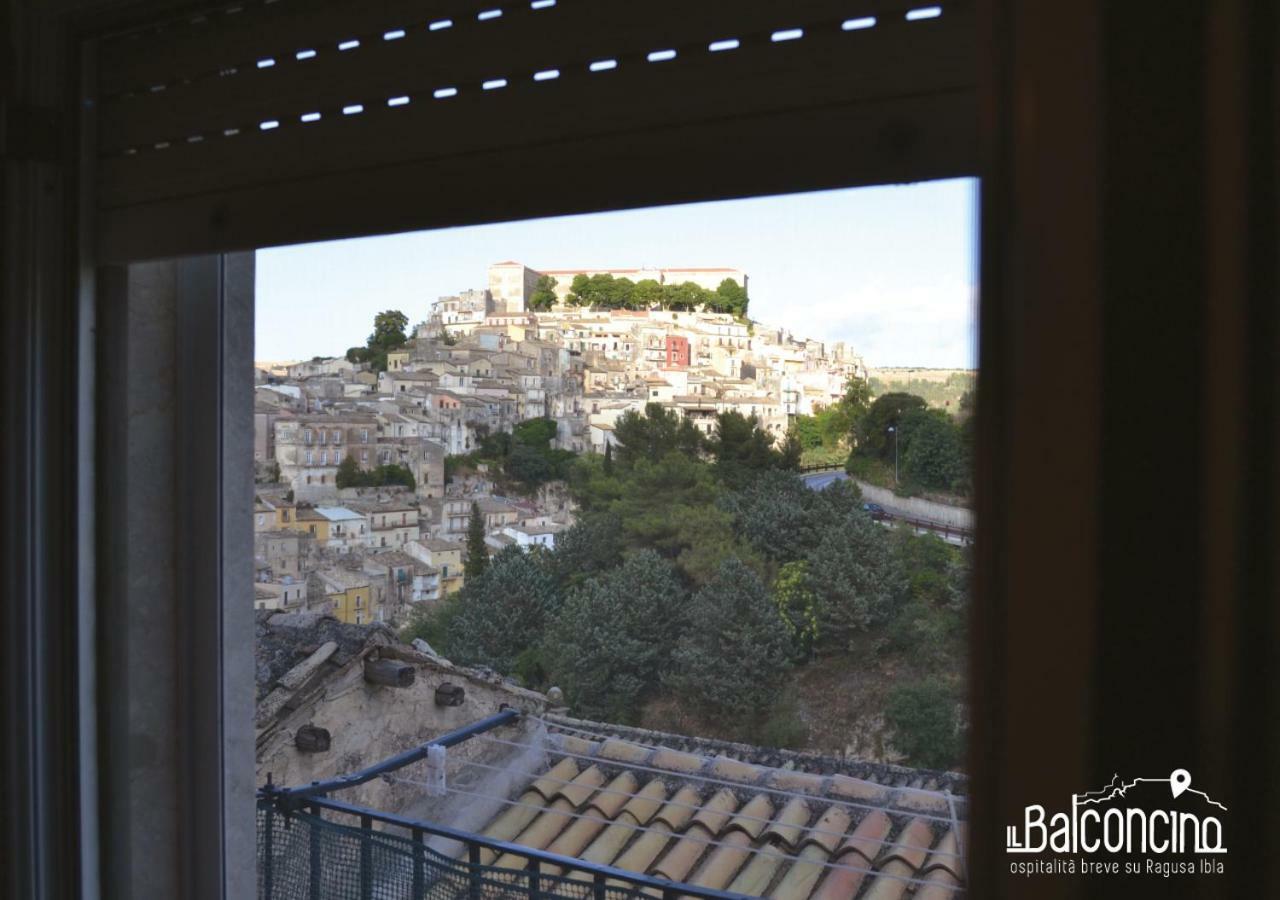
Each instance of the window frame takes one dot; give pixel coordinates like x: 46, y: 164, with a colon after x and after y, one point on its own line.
x: 52, y: 273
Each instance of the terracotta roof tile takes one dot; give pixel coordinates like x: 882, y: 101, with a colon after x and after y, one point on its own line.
x: 687, y: 825
x: 892, y: 881
x: 678, y: 862
x: 540, y: 832
x: 827, y: 830
x: 920, y: 802
x: 723, y: 862
x: 578, y: 791
x: 680, y: 808
x: 624, y: 751
x: 792, y: 780
x: 939, y: 884
x: 716, y: 812
x: 549, y: 784
x: 947, y: 854
x: 644, y: 805
x: 857, y: 789
x: 578, y: 746
x: 510, y: 822
x: 803, y: 874
x: 754, y: 816
x: 911, y: 845
x: 676, y: 760
x: 610, y: 801
x: 648, y: 844
x: 868, y: 836
x: 734, y: 770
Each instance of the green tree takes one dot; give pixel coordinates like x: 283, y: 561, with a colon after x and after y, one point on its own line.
x: 477, y: 553
x: 502, y: 612
x: 544, y: 294
x: 806, y: 430
x: 855, y: 578
x: 730, y: 297
x: 529, y: 466
x: 783, y: 519
x: 931, y: 624
x: 654, y: 434
x: 872, y: 430
x: 537, y: 433
x: 732, y: 620
x: 526, y: 453
x: 926, y: 725
x: 608, y: 458
x: 743, y: 448
x: 388, y: 475
x: 685, y: 296
x: 797, y: 604
x: 647, y: 294
x: 838, y: 422
x: 349, y: 474
x: 388, y: 334
x: 593, y: 544
x: 388, y: 329
x: 932, y: 451
x: 613, y: 636
x: 579, y: 291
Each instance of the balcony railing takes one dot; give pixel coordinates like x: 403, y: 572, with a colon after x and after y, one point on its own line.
x: 312, y: 847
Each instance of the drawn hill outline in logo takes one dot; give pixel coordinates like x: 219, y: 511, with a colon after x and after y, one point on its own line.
x: 1179, y: 782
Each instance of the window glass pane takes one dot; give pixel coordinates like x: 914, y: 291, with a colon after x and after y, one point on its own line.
x: 702, y: 471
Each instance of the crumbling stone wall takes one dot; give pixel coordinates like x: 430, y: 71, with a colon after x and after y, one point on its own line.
x: 311, y: 672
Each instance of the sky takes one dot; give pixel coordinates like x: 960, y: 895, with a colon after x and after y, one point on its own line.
x: 889, y: 270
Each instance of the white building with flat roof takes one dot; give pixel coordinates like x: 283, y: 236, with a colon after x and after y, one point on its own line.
x: 512, y: 283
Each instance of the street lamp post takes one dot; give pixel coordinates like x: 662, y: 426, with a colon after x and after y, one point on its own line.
x: 894, y: 431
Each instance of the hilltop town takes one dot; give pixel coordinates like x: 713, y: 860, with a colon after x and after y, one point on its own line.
x: 365, y: 463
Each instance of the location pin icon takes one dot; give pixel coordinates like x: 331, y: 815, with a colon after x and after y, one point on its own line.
x: 1179, y: 781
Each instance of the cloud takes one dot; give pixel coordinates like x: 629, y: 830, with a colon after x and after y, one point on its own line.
x: 920, y: 326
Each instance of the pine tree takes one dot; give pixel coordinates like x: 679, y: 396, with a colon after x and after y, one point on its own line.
x: 608, y: 458
x: 477, y: 553
x: 729, y: 661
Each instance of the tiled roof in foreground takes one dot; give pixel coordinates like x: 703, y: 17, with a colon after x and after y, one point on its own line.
x: 803, y: 830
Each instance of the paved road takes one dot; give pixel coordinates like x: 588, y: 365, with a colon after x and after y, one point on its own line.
x: 949, y: 533
x: 820, y: 480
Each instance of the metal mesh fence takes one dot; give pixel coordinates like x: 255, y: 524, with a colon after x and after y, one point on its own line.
x: 303, y: 856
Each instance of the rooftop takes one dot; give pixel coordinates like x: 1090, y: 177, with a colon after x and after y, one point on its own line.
x: 804, y: 828
x: 750, y: 821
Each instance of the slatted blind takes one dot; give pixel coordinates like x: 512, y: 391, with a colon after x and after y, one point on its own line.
x: 261, y: 123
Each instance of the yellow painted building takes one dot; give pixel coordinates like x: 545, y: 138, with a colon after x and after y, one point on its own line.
x: 274, y: 515
x: 309, y: 521
x: 351, y: 595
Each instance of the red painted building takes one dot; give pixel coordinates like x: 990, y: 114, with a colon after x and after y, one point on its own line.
x: 677, y: 351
